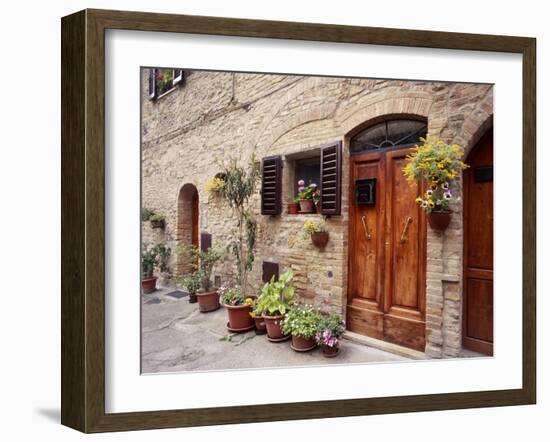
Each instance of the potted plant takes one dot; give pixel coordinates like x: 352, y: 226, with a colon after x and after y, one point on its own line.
x: 148, y: 261
x: 302, y: 323
x: 305, y: 196
x: 203, y: 262
x: 192, y: 283
x: 157, y: 221
x: 317, y: 230
x: 257, y: 315
x: 439, y: 164
x: 292, y: 207
x: 274, y: 301
x: 331, y: 328
x: 238, y: 308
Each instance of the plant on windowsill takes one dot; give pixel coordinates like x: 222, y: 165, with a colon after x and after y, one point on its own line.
x: 439, y: 164
x: 302, y: 322
x: 164, y: 80
x: 238, y: 308
x: 305, y: 196
x: 317, y: 231
x: 331, y: 328
x: 274, y: 301
x: 292, y: 208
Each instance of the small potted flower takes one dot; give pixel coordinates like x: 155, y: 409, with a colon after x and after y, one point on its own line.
x: 292, y: 208
x: 317, y: 230
x: 192, y: 283
x: 302, y: 323
x: 331, y: 328
x: 439, y: 164
x: 305, y: 196
x: 274, y: 301
x: 238, y: 308
x: 157, y: 221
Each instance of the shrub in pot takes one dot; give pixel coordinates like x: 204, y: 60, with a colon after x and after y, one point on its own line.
x: 331, y: 328
x: 317, y: 231
x: 192, y: 283
x: 439, y: 165
x: 274, y: 301
x: 302, y: 323
x: 238, y: 308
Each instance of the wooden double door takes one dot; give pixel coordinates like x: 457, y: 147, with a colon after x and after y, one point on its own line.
x: 387, y: 251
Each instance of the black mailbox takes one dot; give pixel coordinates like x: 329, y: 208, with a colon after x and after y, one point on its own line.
x: 365, y: 191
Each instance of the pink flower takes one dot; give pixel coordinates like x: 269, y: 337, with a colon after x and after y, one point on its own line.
x: 301, y: 183
x: 313, y: 185
x: 301, y: 189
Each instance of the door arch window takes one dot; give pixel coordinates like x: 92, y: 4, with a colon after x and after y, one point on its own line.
x: 388, y: 134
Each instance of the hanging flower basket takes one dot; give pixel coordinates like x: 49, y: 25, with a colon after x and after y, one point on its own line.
x: 439, y: 220
x: 319, y: 239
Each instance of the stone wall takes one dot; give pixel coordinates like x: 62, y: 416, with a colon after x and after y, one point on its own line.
x: 215, y: 115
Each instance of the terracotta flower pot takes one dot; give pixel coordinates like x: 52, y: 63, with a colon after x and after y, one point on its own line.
x: 149, y: 285
x: 239, y: 318
x: 306, y: 206
x: 292, y: 208
x: 273, y: 326
x: 208, y: 301
x: 330, y: 352
x: 259, y: 322
x: 319, y: 239
x: 439, y: 220
x: 302, y: 344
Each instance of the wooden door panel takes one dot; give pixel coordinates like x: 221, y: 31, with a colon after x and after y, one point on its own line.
x: 365, y: 320
x: 479, y: 314
x: 407, y: 332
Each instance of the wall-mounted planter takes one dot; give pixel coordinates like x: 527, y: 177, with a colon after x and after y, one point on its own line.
x: 439, y: 220
x: 319, y: 239
x: 157, y: 224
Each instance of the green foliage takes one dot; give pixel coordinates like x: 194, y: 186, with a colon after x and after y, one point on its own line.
x: 332, y: 322
x: 302, y: 321
x: 277, y: 296
x: 191, y: 282
x: 309, y: 192
x: 203, y: 262
x: 155, y: 256
x: 239, y: 185
x: 146, y: 214
x: 156, y: 217
x: 233, y: 296
x: 439, y: 164
x: 310, y: 227
x: 164, y: 79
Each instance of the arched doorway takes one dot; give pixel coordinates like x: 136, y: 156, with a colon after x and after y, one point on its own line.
x: 187, y: 232
x: 477, y: 328
x: 387, y: 236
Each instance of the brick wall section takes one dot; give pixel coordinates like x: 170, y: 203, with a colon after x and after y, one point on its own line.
x: 219, y: 114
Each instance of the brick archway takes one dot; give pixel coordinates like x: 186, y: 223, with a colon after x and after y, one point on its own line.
x: 187, y: 230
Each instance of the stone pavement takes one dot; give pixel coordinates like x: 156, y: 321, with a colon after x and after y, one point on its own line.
x: 177, y: 337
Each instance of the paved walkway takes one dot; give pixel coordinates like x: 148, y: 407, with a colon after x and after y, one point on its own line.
x: 177, y: 337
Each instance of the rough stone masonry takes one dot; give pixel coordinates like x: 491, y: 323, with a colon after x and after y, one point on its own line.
x: 213, y: 115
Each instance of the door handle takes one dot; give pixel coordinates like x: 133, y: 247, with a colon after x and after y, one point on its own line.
x: 365, y: 228
x: 408, y: 221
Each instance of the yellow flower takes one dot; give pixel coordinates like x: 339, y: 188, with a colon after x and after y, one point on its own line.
x: 431, y: 204
x: 419, y: 200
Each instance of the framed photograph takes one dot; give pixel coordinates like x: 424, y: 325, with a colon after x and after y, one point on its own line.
x: 267, y: 221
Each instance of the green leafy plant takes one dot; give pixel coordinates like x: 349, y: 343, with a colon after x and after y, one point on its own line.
x: 146, y: 214
x: 239, y: 185
x: 191, y: 282
x: 156, y: 217
x: 311, y: 226
x: 277, y: 296
x: 308, y: 192
x: 302, y: 321
x: 154, y: 257
x: 331, y: 328
x: 164, y: 79
x: 203, y: 262
x: 440, y: 165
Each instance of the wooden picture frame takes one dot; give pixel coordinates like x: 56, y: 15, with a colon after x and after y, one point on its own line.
x: 83, y: 220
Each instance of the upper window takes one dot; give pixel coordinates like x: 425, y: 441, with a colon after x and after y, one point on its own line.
x: 308, y: 171
x: 389, y: 134
x: 162, y: 81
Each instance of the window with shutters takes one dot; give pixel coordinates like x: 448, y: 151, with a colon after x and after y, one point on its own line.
x: 162, y: 81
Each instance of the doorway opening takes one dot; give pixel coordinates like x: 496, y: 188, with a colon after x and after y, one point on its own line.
x: 187, y: 231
